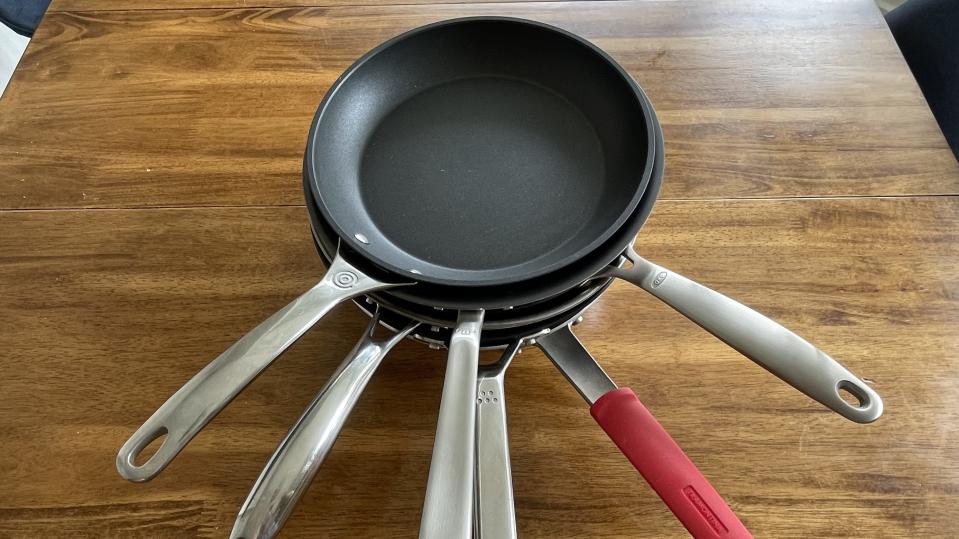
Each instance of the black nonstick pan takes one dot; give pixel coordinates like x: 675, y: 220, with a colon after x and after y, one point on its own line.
x: 509, y: 296
x: 469, y: 153
x: 504, y: 162
x: 480, y: 151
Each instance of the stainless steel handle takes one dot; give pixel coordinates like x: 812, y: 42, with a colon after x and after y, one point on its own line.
x: 495, y: 510
x: 193, y: 406
x: 296, y: 460
x: 447, y: 511
x: 772, y: 346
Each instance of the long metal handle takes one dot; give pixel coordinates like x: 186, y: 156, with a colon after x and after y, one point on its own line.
x: 196, y: 403
x: 296, y: 460
x: 448, y: 509
x: 772, y: 346
x: 495, y: 510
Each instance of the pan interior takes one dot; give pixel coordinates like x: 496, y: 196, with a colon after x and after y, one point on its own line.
x: 480, y: 152
x: 482, y: 172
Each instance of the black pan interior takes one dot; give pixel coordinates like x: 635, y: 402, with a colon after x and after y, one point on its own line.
x: 479, y: 152
x: 515, y: 294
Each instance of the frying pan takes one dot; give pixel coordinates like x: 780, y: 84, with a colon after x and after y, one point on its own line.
x: 375, y: 103
x: 480, y: 151
x: 510, y: 296
x: 574, y: 129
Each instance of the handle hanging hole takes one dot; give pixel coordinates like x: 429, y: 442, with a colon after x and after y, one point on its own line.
x: 150, y: 445
x: 852, y: 394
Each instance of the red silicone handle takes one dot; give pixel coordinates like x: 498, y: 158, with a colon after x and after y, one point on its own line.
x: 665, y: 467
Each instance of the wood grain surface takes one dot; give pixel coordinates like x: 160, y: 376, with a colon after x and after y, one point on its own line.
x: 212, y: 107
x: 150, y: 213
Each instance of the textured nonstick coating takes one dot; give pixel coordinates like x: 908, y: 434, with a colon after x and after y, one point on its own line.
x: 480, y: 152
x: 515, y: 294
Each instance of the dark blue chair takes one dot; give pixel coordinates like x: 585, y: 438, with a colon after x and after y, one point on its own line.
x: 23, y: 16
x: 927, y: 32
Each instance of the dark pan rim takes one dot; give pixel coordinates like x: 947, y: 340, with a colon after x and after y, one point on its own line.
x: 498, y: 276
x: 489, y: 338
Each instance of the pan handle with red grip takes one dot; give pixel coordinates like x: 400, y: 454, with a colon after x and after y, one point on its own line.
x: 665, y: 466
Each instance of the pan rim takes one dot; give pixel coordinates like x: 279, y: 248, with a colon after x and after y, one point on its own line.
x: 504, y: 275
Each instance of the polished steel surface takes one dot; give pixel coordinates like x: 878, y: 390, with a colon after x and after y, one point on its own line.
x: 448, y: 509
x: 185, y: 413
x: 495, y: 513
x: 296, y: 460
x: 576, y: 363
x: 775, y: 348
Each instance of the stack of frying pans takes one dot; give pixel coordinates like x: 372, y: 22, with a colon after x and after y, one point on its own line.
x: 478, y: 183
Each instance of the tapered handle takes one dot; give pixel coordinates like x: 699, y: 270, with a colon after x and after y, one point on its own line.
x: 777, y: 349
x: 448, y: 508
x: 296, y: 460
x: 185, y: 413
x: 665, y: 466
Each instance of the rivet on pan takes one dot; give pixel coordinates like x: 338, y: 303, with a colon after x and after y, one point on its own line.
x: 578, y: 321
x: 435, y: 329
x: 369, y: 300
x: 532, y: 342
x: 416, y: 272
x: 509, y: 308
x: 439, y: 308
x: 434, y: 346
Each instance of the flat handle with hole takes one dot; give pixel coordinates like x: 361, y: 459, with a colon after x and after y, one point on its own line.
x: 185, y: 413
x: 772, y: 346
x: 299, y: 456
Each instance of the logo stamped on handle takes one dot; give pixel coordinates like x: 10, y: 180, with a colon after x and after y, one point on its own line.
x: 700, y: 504
x: 345, y: 279
x: 660, y: 277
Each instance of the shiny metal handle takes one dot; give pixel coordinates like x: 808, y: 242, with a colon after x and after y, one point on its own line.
x: 495, y: 511
x: 772, y: 346
x: 193, y: 406
x: 448, y: 509
x: 296, y: 460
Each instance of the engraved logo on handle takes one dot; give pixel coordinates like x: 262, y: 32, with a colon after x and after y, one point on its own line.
x: 345, y: 279
x: 700, y: 504
x: 660, y: 277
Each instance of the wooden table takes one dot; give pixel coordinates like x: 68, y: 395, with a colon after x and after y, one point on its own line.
x: 152, y: 213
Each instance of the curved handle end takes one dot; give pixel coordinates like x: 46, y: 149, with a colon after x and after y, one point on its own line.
x: 126, y: 457
x: 869, y: 407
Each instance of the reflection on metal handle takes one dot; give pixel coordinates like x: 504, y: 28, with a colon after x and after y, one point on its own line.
x: 495, y: 512
x: 447, y: 511
x: 210, y: 390
x: 298, y: 457
x: 782, y: 352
